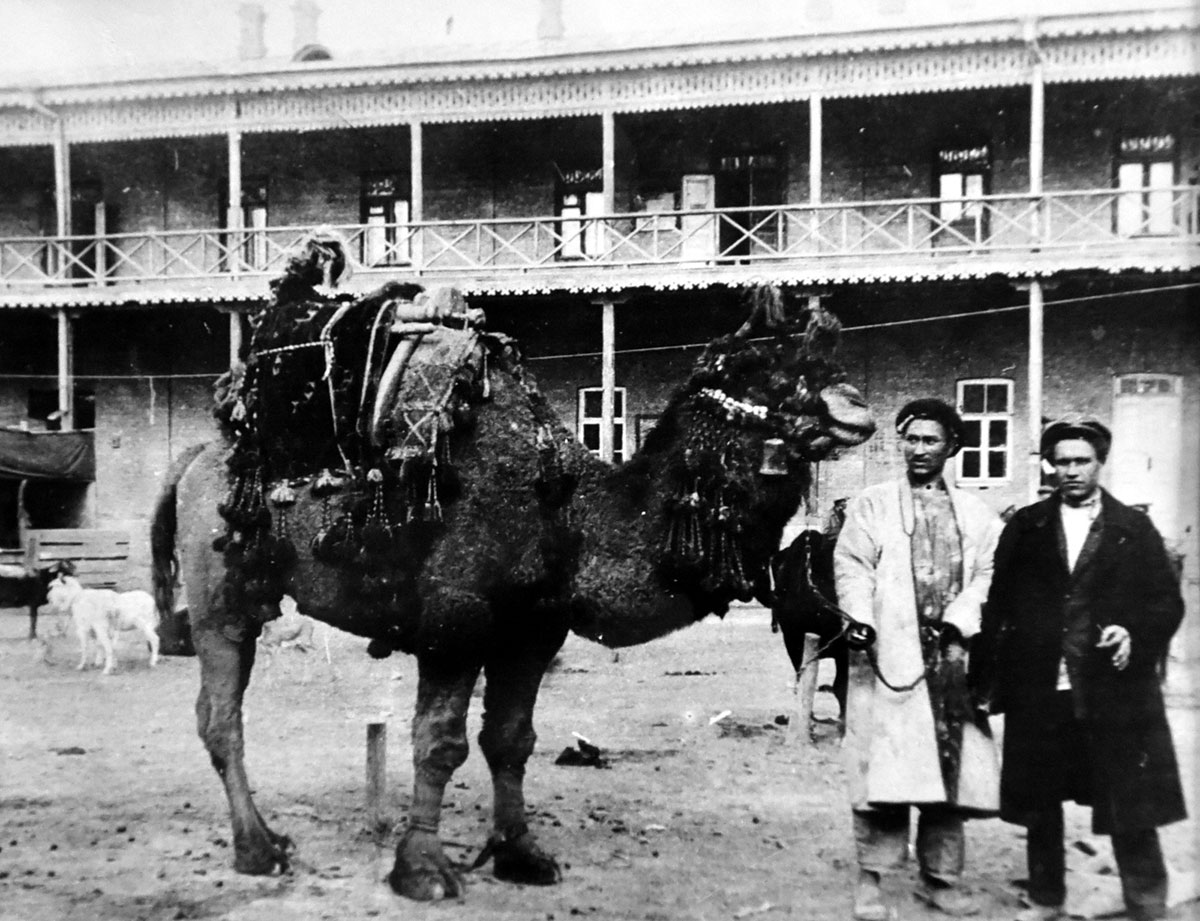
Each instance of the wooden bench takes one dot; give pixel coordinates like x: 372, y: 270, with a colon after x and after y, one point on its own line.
x: 100, y: 556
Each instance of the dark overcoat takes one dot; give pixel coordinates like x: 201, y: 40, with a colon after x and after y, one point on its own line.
x: 1038, y: 610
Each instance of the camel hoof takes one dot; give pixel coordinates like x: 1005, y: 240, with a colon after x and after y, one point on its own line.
x: 264, y: 859
x: 422, y: 872
x: 521, y: 860
x: 261, y: 863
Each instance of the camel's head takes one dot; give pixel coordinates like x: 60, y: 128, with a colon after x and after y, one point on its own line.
x: 782, y: 386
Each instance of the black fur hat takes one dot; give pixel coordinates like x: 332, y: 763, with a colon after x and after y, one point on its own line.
x: 937, y: 411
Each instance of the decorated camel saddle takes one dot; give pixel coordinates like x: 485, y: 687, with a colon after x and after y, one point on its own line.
x: 349, y: 402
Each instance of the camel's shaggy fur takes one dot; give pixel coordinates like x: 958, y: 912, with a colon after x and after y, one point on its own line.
x: 484, y: 551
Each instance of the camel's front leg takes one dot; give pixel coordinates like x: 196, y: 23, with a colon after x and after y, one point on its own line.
x: 439, y: 739
x: 514, y: 671
x: 225, y: 666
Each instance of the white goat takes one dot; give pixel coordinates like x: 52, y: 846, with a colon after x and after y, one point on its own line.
x: 101, y: 613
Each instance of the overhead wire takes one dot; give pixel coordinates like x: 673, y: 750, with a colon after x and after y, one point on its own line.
x: 909, y: 321
x: 686, y: 346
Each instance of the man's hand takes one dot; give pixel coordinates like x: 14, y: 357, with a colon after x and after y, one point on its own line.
x: 1116, y: 636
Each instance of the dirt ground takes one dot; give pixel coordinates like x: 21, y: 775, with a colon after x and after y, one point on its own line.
x: 709, y: 808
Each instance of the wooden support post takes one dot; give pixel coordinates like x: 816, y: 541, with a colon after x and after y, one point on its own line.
x: 66, y: 371
x: 233, y: 221
x: 806, y: 681
x: 376, y: 776
x: 1036, y: 370
x: 60, y: 259
x: 608, y: 379
x: 416, y: 191
x: 816, y: 144
x: 235, y: 337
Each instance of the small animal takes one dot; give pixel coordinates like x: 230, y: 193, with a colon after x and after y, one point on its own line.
x: 22, y: 586
x: 291, y: 630
x: 100, y: 614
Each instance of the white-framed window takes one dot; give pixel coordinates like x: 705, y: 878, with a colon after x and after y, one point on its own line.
x: 1145, y: 173
x: 962, y: 177
x: 580, y: 237
x: 590, y: 419
x: 254, y: 223
x: 387, y: 238
x: 986, y: 407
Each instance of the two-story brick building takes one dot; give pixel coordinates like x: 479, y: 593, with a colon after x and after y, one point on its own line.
x: 1001, y: 207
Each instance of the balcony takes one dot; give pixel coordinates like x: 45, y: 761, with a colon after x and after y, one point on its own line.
x: 816, y: 244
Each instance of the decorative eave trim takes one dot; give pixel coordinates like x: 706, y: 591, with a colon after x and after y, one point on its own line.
x: 448, y: 64
x: 253, y: 292
x: 674, y: 86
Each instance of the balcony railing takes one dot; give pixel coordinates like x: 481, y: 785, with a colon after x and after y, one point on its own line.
x: 1105, y: 223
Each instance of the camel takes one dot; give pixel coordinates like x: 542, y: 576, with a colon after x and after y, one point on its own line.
x: 482, y: 552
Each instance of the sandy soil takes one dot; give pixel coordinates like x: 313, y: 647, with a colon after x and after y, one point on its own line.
x: 110, y: 810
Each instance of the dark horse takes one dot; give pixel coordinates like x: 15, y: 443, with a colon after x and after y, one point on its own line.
x: 804, y: 601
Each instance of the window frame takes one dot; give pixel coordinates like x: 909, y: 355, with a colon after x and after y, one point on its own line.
x: 393, y: 235
x: 1145, y: 151
x: 971, y: 219
x: 985, y: 448
x: 249, y: 248
x: 579, y: 237
x: 582, y: 419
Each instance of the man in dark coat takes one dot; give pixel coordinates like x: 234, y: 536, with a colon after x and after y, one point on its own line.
x: 1082, y: 607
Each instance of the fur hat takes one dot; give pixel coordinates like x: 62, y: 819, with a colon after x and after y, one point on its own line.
x: 936, y: 411
x: 1087, y: 428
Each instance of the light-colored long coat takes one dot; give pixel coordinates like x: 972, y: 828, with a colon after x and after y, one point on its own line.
x: 891, y: 737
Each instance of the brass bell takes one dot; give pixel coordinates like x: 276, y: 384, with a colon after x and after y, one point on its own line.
x: 774, y: 458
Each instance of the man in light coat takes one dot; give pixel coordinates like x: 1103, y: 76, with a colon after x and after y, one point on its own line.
x: 1081, y: 611
x: 914, y: 560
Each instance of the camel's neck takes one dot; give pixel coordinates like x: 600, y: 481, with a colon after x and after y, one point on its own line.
x: 694, y: 502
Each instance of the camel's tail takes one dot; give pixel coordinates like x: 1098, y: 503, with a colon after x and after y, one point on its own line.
x: 165, y: 561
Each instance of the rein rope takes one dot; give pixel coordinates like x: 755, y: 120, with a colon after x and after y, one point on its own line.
x: 862, y: 640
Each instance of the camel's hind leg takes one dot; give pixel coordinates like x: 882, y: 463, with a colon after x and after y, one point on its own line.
x: 514, y: 671
x: 225, y: 667
x: 439, y: 739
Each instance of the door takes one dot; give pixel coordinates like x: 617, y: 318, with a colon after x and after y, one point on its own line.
x: 744, y: 181
x: 1143, y: 467
x: 698, y: 193
x: 89, y: 224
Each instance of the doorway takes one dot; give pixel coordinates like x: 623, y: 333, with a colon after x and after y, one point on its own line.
x: 1144, y: 465
x: 745, y: 181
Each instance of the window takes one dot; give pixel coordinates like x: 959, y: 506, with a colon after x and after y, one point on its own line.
x: 962, y: 179
x: 253, y: 248
x: 1145, y: 174
x: 645, y: 425
x: 387, y: 239
x: 591, y: 403
x: 43, y: 407
x: 254, y: 220
x: 986, y: 409
x: 580, y: 193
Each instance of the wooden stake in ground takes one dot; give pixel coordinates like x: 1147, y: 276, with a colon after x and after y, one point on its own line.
x: 376, y: 776
x: 806, y: 682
